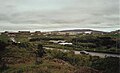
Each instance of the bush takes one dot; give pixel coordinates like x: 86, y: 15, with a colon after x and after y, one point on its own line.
x: 107, y: 65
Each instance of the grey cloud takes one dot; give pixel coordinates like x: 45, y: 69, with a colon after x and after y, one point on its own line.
x: 70, y: 14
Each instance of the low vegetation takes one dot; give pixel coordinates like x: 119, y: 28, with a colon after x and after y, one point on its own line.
x: 29, y: 56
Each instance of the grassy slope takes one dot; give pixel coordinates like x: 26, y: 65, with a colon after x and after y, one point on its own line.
x: 48, y: 66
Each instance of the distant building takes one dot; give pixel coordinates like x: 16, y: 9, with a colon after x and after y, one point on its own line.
x: 38, y: 33
x: 66, y: 33
x: 115, y: 32
x: 24, y: 32
x: 11, y: 34
x: 88, y: 32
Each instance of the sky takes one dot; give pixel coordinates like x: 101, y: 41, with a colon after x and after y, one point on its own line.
x: 52, y: 15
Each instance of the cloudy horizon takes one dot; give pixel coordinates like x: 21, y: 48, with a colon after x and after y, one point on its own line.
x: 50, y: 15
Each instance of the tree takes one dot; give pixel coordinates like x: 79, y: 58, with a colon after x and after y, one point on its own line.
x: 39, y: 53
x: 2, y: 46
x: 2, y: 52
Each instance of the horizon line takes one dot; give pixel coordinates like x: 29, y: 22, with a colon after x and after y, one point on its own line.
x: 61, y: 30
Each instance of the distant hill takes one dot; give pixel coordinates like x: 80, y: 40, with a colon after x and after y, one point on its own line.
x: 116, y: 32
x: 83, y: 31
x: 79, y: 30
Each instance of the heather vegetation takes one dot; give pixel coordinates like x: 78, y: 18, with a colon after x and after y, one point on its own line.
x: 30, y: 56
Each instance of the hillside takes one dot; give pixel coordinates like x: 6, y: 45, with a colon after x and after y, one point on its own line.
x: 30, y: 56
x: 82, y: 30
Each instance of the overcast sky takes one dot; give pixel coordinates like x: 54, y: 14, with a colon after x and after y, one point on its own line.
x: 46, y: 15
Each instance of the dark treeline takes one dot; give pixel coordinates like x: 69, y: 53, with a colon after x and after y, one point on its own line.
x: 95, y: 42
x: 45, y: 39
